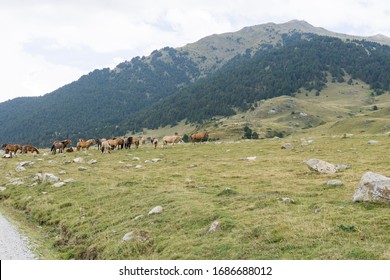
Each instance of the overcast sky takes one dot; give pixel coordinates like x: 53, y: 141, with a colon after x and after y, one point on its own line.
x: 46, y: 44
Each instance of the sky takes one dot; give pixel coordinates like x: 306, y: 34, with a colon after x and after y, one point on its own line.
x: 46, y: 44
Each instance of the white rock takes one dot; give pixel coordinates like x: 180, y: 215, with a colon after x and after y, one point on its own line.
x: 156, y: 210
x: 214, y: 226
x: 59, y: 184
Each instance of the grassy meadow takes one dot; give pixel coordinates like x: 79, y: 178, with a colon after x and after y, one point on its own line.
x: 272, y: 207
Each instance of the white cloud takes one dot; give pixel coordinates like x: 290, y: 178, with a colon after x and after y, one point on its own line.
x: 46, y: 43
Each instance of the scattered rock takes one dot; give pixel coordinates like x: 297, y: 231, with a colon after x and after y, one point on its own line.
x: 156, y: 210
x: 2, y: 189
x: 70, y: 180
x: 82, y: 168
x: 128, y: 165
x: 147, y: 161
x: 78, y: 160
x: 373, y: 187
x: 138, y: 217
x: 287, y: 200
x: 138, y: 166
x: 26, y: 163
x: 287, y: 146
x: 193, y: 165
x: 334, y: 183
x: 341, y: 167
x: 305, y: 142
x: 321, y: 166
x: 20, y: 168
x: 16, y: 181
x: 62, y: 172
x: 59, y: 184
x: 92, y: 161
x: 372, y: 142
x: 214, y: 226
x: 48, y: 177
x: 249, y: 158
x: 136, y: 158
x: 128, y: 236
x: 156, y: 159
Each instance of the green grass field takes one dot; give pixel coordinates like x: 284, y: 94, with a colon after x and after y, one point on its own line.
x: 272, y: 207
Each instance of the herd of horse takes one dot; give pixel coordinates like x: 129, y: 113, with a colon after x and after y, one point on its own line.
x: 104, y: 145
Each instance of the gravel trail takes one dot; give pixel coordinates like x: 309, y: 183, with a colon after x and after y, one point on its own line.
x: 13, y: 246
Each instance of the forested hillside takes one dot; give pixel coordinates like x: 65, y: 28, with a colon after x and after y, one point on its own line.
x: 216, y: 76
x: 300, y: 64
x: 96, y: 103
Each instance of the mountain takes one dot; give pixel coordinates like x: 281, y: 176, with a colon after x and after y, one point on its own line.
x: 218, y: 75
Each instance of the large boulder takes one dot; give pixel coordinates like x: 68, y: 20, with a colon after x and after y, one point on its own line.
x: 321, y: 166
x: 373, y: 187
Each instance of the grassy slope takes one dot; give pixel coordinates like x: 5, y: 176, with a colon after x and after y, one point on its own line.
x: 89, y: 217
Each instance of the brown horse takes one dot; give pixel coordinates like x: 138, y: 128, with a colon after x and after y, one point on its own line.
x: 154, y: 142
x: 199, y: 137
x: 85, y: 144
x: 171, y: 139
x: 27, y: 148
x: 13, y: 148
x: 60, y: 146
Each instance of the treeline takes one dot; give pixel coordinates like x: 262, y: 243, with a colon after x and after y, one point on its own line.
x: 299, y: 63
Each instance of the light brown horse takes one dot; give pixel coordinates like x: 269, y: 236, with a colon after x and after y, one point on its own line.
x: 13, y: 148
x: 85, y: 144
x: 106, y: 146
x: 27, y: 148
x: 199, y: 137
x: 60, y: 146
x: 171, y: 140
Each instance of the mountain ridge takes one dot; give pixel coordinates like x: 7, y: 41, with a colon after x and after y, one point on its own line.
x: 97, y: 103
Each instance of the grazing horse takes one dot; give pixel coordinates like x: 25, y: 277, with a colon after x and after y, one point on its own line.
x: 27, y: 148
x: 60, y: 146
x: 128, y: 142
x: 99, y: 141
x: 85, y: 144
x: 120, y: 143
x: 131, y: 140
x: 143, y: 140
x: 199, y: 137
x: 171, y: 139
x: 113, y: 143
x: 106, y: 146
x: 13, y: 148
x: 154, y: 142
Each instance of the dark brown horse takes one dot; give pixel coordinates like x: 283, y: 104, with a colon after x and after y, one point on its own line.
x: 60, y: 146
x: 27, y: 148
x: 154, y: 142
x: 130, y: 141
x: 199, y: 137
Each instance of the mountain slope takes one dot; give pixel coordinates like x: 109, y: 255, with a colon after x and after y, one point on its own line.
x: 170, y: 85
x: 300, y: 64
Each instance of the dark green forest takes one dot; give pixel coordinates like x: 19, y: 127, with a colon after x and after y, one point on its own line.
x: 298, y: 64
x: 165, y: 88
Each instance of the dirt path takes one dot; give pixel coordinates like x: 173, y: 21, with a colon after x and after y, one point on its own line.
x: 13, y: 246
